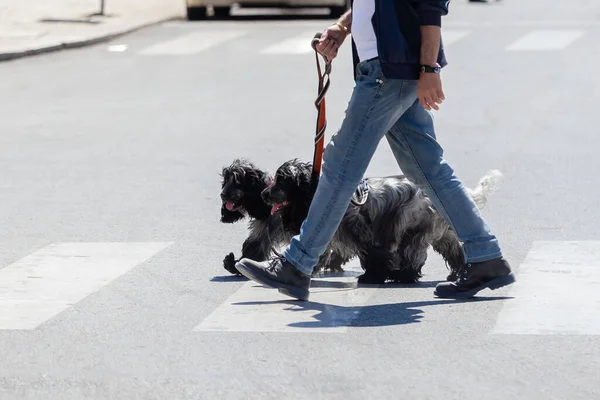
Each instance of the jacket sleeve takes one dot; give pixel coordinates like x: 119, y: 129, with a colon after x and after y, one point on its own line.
x: 431, y: 11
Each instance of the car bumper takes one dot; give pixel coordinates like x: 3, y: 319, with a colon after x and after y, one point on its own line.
x: 282, y: 3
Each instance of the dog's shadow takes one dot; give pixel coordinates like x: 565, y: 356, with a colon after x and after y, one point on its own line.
x: 320, y: 283
x: 377, y: 315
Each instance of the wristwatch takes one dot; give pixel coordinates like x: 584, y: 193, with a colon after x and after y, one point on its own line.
x: 430, y: 69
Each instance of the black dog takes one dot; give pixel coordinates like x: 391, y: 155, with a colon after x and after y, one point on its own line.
x: 241, y: 187
x: 390, y: 233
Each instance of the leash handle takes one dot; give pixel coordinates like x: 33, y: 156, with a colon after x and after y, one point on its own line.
x: 314, y: 42
x: 323, y: 77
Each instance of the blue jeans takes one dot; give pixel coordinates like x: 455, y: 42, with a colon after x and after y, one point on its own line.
x: 389, y: 107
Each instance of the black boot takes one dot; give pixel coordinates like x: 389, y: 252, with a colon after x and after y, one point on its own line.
x: 475, y: 277
x: 279, y: 274
x: 451, y: 277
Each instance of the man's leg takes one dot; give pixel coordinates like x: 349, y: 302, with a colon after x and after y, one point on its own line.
x: 420, y: 156
x: 375, y: 105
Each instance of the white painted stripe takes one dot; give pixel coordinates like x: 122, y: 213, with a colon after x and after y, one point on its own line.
x: 557, y: 292
x: 254, y: 308
x: 117, y: 48
x: 541, y: 40
x: 297, y: 45
x: 52, y: 279
x: 573, y: 23
x: 450, y: 36
x: 192, y: 43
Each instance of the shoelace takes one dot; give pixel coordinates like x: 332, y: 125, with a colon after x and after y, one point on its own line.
x: 279, y: 259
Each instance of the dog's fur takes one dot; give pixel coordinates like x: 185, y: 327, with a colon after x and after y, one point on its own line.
x: 390, y: 233
x: 241, y: 186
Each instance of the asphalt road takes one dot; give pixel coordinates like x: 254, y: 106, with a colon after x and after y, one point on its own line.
x: 126, y: 146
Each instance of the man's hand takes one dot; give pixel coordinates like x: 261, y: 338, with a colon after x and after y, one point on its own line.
x: 331, y: 40
x: 429, y: 90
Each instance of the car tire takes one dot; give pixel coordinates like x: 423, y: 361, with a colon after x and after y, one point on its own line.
x: 221, y: 12
x: 196, y: 13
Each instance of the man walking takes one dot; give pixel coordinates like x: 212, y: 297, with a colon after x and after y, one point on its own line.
x: 396, y: 46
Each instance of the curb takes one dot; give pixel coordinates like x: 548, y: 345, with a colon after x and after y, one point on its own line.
x: 83, y: 42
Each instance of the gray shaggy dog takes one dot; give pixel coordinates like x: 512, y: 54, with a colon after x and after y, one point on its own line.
x: 390, y: 233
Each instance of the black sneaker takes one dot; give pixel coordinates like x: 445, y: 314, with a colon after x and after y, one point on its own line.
x: 279, y: 274
x: 475, y: 277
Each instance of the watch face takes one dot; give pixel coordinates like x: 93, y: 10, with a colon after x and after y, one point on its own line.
x: 425, y: 68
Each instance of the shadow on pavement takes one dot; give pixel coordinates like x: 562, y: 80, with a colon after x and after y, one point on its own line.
x: 354, y: 285
x: 422, y: 284
x: 365, y: 316
x: 70, y: 21
x: 320, y: 283
x: 229, y: 278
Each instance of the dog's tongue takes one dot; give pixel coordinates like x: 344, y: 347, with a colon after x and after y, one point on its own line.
x: 275, y: 208
x: 230, y: 206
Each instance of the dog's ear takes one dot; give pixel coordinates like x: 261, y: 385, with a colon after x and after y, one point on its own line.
x: 222, y: 175
x: 229, y: 217
x: 255, y: 180
x: 303, y: 174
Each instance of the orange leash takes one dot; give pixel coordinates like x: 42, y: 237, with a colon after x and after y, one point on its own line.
x: 323, y: 75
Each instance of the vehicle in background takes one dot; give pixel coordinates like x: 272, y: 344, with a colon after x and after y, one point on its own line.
x: 197, y: 9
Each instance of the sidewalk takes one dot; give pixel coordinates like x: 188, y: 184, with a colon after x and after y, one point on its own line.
x: 35, y: 26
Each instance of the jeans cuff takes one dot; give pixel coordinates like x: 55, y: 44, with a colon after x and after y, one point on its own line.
x: 482, y: 258
x: 295, y: 257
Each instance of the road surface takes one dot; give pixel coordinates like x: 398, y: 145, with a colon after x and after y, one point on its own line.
x: 111, y: 285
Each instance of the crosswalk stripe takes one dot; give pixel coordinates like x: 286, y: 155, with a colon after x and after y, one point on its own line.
x: 296, y: 45
x: 556, y: 292
x: 192, y: 43
x: 47, y: 282
x: 254, y: 308
x: 547, y: 39
x: 198, y: 41
x: 450, y: 36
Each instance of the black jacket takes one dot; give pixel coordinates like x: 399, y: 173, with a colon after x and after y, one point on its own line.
x: 397, y: 25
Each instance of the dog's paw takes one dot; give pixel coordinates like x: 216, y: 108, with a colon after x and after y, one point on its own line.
x: 229, y: 264
x: 335, y: 268
x: 406, y: 276
x: 371, y: 279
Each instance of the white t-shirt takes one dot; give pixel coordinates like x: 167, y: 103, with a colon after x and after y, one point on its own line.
x: 362, y: 29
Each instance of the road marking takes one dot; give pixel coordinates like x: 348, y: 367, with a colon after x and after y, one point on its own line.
x: 47, y: 282
x: 297, y: 45
x: 254, y: 308
x: 552, y: 23
x: 117, y: 48
x: 450, y: 36
x: 557, y: 292
x: 192, y: 43
x: 549, y: 39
